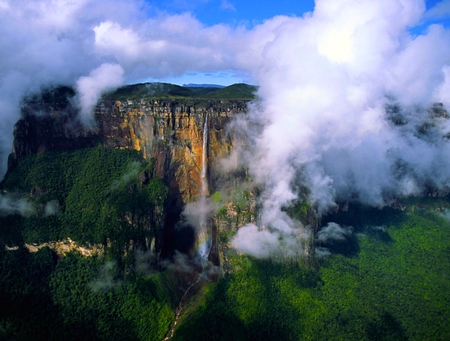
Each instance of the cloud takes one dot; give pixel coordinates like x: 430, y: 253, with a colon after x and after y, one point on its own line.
x: 11, y: 204
x: 333, y: 232
x: 440, y: 10
x: 89, y: 88
x: 195, y: 213
x: 132, y: 173
x: 283, y: 241
x: 106, y: 279
x: 98, y: 44
x: 227, y: 5
x: 144, y: 261
x: 344, y: 92
x: 51, y: 208
x: 443, y: 90
x: 345, y: 112
x: 255, y: 242
x: 181, y: 263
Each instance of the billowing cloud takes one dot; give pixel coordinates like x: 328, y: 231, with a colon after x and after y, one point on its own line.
x: 12, y: 204
x: 333, y: 232
x: 89, y: 88
x: 345, y: 112
x: 264, y: 242
x: 256, y: 242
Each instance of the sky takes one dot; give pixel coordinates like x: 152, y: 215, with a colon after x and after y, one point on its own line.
x: 243, y: 13
x: 232, y: 13
x: 345, y: 88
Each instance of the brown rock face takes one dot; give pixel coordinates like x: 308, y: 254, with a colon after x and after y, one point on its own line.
x: 172, y: 133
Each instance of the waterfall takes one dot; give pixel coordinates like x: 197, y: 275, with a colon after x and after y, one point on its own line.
x: 204, y: 239
x: 204, y: 180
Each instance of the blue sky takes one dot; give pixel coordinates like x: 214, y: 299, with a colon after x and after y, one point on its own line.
x: 229, y: 12
x: 243, y: 12
x: 234, y: 12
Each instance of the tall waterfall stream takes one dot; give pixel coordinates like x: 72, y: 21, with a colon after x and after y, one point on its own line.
x: 203, y: 235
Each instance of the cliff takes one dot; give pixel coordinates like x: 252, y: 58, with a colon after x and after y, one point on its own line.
x: 171, y: 131
x: 169, y: 128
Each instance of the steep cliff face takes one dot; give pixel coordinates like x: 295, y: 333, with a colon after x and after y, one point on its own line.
x: 49, y: 123
x: 170, y: 130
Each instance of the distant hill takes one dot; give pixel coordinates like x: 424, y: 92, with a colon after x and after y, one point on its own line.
x: 166, y: 90
x: 192, y: 85
x: 238, y: 91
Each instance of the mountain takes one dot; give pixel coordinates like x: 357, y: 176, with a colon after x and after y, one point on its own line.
x: 191, y: 85
x: 122, y: 232
x: 164, y: 123
x: 170, y: 91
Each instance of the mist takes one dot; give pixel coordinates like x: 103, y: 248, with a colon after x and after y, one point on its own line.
x: 16, y: 204
x: 347, y: 113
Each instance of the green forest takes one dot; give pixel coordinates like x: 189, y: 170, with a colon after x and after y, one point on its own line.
x: 389, y: 281
x: 239, y: 91
x: 100, y: 196
x: 394, y: 285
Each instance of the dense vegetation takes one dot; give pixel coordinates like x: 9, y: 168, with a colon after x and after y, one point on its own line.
x: 98, y: 196
x: 390, y: 280
x: 165, y: 90
x: 393, y: 285
x: 80, y: 298
x: 91, y: 195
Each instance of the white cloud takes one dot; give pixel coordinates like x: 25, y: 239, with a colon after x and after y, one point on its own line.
x: 333, y: 232
x: 105, y: 77
x: 440, y: 10
x: 10, y: 204
x: 111, y: 37
x: 255, y: 242
x: 227, y: 5
x: 442, y: 93
x: 325, y: 81
x: 46, y: 43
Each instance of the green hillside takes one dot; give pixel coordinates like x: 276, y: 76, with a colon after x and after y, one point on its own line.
x: 389, y: 280
x: 393, y: 286
x: 165, y: 90
x: 235, y: 91
x: 101, y: 196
